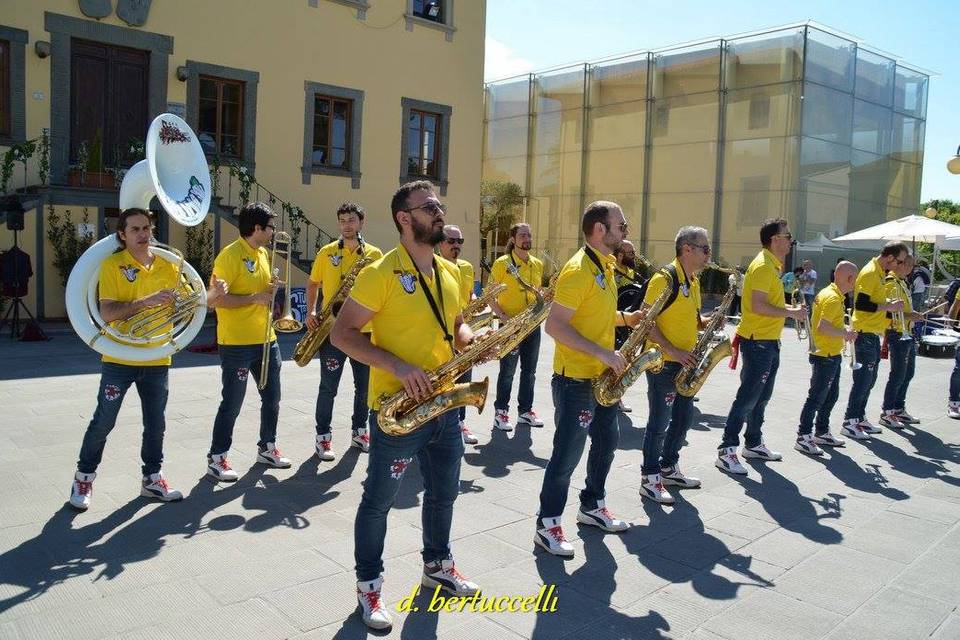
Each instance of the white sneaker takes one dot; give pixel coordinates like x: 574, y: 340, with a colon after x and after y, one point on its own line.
x: 652, y: 487
x: 906, y: 418
x: 374, y: 614
x: 625, y: 408
x: 673, y: 476
x: 601, y: 518
x: 806, y: 444
x: 761, y: 452
x: 853, y: 429
x: 953, y: 410
x: 551, y: 538
x: 219, y: 469
x: 502, y: 420
x: 155, y: 486
x: 272, y: 457
x: 728, y: 461
x: 81, y: 490
x: 869, y: 427
x: 530, y: 418
x: 324, y: 447
x: 829, y: 440
x: 891, y: 419
x: 444, y: 574
x: 467, y: 435
x: 361, y: 440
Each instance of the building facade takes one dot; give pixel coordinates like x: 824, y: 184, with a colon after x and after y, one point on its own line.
x: 799, y: 122
x: 302, y: 103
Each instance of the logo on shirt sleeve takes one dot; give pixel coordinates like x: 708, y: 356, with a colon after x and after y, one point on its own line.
x: 336, y: 259
x: 129, y: 272
x: 408, y: 282
x: 251, y: 265
x: 601, y: 280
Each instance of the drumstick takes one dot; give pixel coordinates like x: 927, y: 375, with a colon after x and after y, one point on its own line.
x: 942, y: 304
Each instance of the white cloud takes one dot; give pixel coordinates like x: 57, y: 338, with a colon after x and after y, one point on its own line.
x: 501, y: 61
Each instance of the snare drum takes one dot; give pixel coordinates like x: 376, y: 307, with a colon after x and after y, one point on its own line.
x: 938, y: 345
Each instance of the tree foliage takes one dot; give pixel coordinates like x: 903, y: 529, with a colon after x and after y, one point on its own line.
x: 501, y: 202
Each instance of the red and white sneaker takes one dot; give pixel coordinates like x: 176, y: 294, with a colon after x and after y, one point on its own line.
x: 374, y: 614
x: 361, y: 440
x: 219, y: 469
x: 672, y: 476
x: 551, y: 538
x: 906, y: 418
x: 891, y: 420
x: 81, y: 490
x: 853, y: 429
x: 502, y: 420
x: 829, y: 440
x: 467, y: 435
x: 155, y: 486
x: 324, y: 447
x: 869, y: 427
x: 651, y: 486
x: 530, y: 418
x: 728, y: 461
x: 761, y: 452
x: 601, y: 518
x: 271, y: 456
x: 444, y: 574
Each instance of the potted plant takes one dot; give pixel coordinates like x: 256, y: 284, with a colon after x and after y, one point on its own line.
x: 89, y: 170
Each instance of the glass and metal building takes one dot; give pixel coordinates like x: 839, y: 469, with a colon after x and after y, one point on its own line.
x: 800, y: 122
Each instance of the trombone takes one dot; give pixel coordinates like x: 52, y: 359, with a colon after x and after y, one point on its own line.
x: 286, y: 323
x: 849, y: 349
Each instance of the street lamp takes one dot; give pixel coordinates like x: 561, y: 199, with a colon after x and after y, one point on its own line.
x: 953, y: 164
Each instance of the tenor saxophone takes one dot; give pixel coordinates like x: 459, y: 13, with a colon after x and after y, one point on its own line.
x: 399, y: 414
x: 311, y: 341
x: 609, y: 387
x: 708, y: 352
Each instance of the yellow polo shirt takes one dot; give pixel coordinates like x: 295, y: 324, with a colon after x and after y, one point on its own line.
x: 246, y: 271
x: 870, y: 282
x: 466, y: 281
x: 680, y: 322
x: 897, y: 289
x: 829, y: 306
x: 515, y: 298
x: 334, y: 262
x: 123, y: 279
x: 624, y: 275
x: 592, y: 295
x: 763, y: 274
x: 403, y: 322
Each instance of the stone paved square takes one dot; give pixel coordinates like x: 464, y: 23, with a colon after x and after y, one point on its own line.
x: 862, y: 543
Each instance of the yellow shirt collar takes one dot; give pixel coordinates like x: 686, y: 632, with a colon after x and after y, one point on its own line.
x: 769, y: 256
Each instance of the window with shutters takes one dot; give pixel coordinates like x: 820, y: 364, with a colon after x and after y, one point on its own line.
x: 220, y: 116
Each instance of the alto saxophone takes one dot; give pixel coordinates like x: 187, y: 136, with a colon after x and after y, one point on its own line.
x: 400, y: 414
x: 609, y: 387
x: 709, y: 352
x: 311, y: 341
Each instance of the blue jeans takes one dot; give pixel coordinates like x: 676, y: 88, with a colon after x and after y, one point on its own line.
x: 439, y: 449
x: 115, y: 379
x: 868, y: 354
x: 576, y: 414
x: 331, y: 361
x: 823, y: 394
x: 955, y: 378
x: 671, y: 414
x: 808, y: 299
x: 903, y: 357
x: 466, y: 377
x: 236, y: 362
x: 528, y: 352
x: 761, y: 359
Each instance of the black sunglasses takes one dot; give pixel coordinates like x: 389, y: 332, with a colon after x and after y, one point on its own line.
x: 454, y: 240
x: 432, y: 208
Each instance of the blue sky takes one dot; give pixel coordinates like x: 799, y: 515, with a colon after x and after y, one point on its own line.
x: 527, y: 35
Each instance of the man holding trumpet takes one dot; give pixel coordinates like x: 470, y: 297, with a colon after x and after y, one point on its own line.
x: 829, y: 333
x: 901, y: 347
x: 870, y: 308
x: 243, y: 316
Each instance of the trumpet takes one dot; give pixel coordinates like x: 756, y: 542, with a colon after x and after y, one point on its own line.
x: 849, y: 349
x: 286, y: 323
x: 899, y: 318
x: 803, y: 328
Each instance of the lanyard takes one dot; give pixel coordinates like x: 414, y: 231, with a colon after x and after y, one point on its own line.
x: 340, y: 248
x: 593, y: 257
x: 437, y: 312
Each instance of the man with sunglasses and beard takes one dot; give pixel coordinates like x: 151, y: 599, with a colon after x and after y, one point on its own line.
x: 450, y: 248
x: 870, y: 309
x: 333, y: 263
x: 411, y: 299
x: 582, y: 321
x: 514, y: 299
x: 758, y: 338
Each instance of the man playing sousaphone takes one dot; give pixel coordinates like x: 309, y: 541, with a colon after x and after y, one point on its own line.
x: 411, y: 299
x: 332, y: 264
x: 242, y: 318
x: 132, y: 280
x: 581, y: 321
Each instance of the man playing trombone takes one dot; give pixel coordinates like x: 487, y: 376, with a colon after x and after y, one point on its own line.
x: 244, y: 317
x: 901, y: 347
x: 829, y: 332
x: 332, y: 264
x: 870, y: 308
x: 131, y: 281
